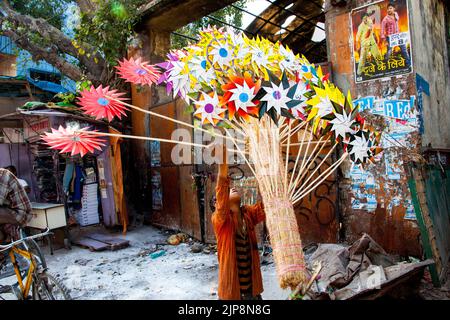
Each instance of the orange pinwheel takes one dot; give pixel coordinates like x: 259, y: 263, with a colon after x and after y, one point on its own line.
x: 239, y: 96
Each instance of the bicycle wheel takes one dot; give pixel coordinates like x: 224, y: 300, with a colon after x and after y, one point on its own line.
x: 31, y: 246
x: 48, y: 287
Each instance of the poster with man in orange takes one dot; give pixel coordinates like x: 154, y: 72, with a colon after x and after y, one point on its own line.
x: 381, y: 40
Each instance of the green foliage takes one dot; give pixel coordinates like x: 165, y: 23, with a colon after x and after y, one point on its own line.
x: 109, y: 29
x: 69, y: 97
x: 228, y: 14
x: 50, y: 10
x: 66, y: 98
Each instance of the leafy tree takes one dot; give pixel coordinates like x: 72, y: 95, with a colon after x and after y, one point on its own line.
x: 101, y: 37
x: 103, y: 33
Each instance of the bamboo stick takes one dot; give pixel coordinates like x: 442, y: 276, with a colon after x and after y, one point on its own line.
x: 299, y: 143
x: 167, y: 118
x: 287, y: 161
x: 317, y: 167
x: 309, y: 162
x: 302, y: 163
x: 299, y: 195
x: 148, y: 139
x: 298, y: 156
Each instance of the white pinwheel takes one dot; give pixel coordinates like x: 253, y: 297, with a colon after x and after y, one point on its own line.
x: 243, y: 96
x: 288, y: 60
x: 199, y: 69
x: 342, y: 124
x: 360, y: 148
x: 222, y: 54
x: 276, y: 97
x: 208, y: 108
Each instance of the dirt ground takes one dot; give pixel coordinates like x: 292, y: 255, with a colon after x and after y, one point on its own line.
x: 130, y: 273
x: 179, y: 274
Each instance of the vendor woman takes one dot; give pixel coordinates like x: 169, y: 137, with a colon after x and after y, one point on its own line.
x: 237, y: 248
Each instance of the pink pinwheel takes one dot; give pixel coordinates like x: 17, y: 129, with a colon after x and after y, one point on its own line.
x: 102, y: 103
x: 73, y: 140
x: 138, y: 72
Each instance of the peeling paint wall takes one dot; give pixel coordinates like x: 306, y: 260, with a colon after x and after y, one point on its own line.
x: 431, y: 62
x: 376, y: 199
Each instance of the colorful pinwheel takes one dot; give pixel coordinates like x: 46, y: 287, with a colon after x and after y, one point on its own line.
x: 102, y: 103
x: 176, y: 74
x: 138, y: 71
x: 73, y: 140
x: 239, y: 96
x: 208, y: 109
x: 362, y: 146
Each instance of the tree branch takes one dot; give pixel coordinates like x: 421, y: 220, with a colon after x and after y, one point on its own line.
x: 58, y: 39
x: 86, y: 6
x: 51, y: 56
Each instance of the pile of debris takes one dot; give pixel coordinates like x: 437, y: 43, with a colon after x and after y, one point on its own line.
x: 362, y: 271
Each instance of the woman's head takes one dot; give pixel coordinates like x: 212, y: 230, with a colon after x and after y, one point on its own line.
x: 235, y: 196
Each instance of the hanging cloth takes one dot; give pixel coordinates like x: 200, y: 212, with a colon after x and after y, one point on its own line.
x: 78, y: 186
x: 116, y: 170
x: 68, y: 174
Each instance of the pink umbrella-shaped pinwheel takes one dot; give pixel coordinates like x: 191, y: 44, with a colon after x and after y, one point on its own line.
x: 138, y: 71
x: 73, y: 140
x: 102, y: 103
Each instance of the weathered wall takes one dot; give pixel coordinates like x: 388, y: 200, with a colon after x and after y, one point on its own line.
x: 376, y: 199
x: 173, y: 184
x: 431, y: 62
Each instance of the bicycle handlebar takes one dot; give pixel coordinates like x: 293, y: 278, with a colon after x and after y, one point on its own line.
x: 12, y: 244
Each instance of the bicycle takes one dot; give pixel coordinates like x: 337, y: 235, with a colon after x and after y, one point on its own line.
x: 34, y: 278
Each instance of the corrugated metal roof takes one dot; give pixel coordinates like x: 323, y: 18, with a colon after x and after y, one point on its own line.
x: 6, y: 45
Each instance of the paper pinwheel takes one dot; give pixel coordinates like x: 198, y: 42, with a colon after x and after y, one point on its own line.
x: 238, y: 96
x: 102, y: 103
x: 222, y: 54
x: 208, y: 109
x: 138, y: 71
x: 362, y: 146
x: 73, y: 140
x: 176, y: 74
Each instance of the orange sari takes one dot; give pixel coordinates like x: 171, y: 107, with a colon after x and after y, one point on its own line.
x: 225, y: 224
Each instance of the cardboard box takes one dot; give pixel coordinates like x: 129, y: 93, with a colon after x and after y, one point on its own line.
x: 47, y: 215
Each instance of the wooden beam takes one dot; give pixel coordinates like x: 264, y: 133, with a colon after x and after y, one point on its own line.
x: 170, y: 15
x: 11, y: 124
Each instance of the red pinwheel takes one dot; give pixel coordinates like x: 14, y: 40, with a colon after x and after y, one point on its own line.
x: 239, y: 96
x: 138, y: 72
x: 102, y: 103
x: 73, y: 140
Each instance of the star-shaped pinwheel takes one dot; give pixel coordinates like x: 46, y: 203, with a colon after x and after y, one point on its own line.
x: 102, y: 103
x: 342, y: 124
x: 209, y: 109
x: 276, y: 97
x: 179, y: 77
x: 74, y: 140
x: 138, y: 71
x: 222, y: 53
x: 360, y: 147
x: 288, y: 61
x: 201, y: 70
x: 239, y: 94
x: 243, y: 96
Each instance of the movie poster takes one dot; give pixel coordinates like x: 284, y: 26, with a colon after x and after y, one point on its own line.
x: 381, y: 40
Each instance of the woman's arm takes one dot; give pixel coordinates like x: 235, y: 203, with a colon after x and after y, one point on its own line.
x: 222, y: 212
